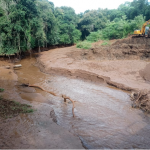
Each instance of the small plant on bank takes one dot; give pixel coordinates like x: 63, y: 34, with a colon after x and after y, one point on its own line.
x: 84, y: 45
x: 105, y: 43
x: 1, y: 90
x: 9, y: 109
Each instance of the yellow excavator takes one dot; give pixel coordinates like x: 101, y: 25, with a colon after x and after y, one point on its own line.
x: 145, y: 31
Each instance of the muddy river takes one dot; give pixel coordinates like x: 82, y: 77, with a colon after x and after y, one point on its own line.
x: 104, y: 117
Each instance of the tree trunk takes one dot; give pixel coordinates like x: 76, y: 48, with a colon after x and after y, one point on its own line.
x: 39, y: 49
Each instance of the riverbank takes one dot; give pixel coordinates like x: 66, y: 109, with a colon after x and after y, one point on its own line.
x: 122, y: 65
x: 35, y: 130
x: 103, y: 118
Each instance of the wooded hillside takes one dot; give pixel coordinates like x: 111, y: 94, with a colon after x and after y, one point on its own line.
x: 26, y: 24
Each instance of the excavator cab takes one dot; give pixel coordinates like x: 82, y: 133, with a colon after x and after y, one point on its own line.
x: 137, y: 32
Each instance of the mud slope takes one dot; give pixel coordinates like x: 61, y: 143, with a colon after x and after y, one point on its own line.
x: 124, y: 49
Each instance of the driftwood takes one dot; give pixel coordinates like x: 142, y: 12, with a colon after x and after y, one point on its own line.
x: 140, y: 100
x: 15, y: 66
x: 65, y: 98
x: 42, y: 89
x: 54, y: 94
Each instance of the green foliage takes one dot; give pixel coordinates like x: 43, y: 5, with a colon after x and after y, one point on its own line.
x: 94, y: 36
x: 117, y: 29
x: 9, y: 109
x: 122, y: 27
x: 84, y: 45
x: 105, y: 43
x: 2, y: 90
x: 67, y: 22
x: 92, y: 21
x: 111, y: 20
x: 26, y: 24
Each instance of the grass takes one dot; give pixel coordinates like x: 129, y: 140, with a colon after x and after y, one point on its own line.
x: 84, y: 45
x: 105, y: 43
x: 1, y: 90
x: 9, y: 109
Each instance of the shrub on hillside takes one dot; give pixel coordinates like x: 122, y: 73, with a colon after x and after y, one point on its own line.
x: 117, y: 29
x: 84, y: 45
x: 105, y: 43
x: 94, y: 36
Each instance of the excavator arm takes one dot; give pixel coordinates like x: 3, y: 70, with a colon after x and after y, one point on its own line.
x: 144, y: 25
x: 142, y: 31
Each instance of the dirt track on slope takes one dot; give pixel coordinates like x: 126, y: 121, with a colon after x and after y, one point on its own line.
x: 119, y: 65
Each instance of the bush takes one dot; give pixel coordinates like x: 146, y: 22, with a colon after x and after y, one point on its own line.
x: 84, y: 45
x: 120, y: 28
x: 94, y: 36
x: 117, y: 29
x: 1, y: 90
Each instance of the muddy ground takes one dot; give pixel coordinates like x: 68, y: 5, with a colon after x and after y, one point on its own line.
x: 124, y: 64
x: 85, y: 75
x: 35, y: 130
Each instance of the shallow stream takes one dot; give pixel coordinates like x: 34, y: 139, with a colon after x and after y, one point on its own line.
x: 104, y: 117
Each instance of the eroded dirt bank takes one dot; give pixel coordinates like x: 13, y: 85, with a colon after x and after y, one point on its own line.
x: 31, y: 131
x: 124, y: 64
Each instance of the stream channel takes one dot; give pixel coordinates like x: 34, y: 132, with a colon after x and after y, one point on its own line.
x: 104, y: 117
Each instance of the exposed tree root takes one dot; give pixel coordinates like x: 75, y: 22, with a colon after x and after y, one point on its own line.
x: 141, y: 100
x: 43, y: 89
x: 54, y: 94
x: 65, y: 98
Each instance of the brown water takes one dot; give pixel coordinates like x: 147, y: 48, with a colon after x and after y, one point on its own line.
x: 103, y: 115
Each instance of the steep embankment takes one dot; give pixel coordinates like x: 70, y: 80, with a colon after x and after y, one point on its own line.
x: 119, y: 64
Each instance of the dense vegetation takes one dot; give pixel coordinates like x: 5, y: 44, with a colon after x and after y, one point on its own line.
x: 26, y: 24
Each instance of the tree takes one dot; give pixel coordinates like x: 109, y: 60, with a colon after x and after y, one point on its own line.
x: 67, y: 21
